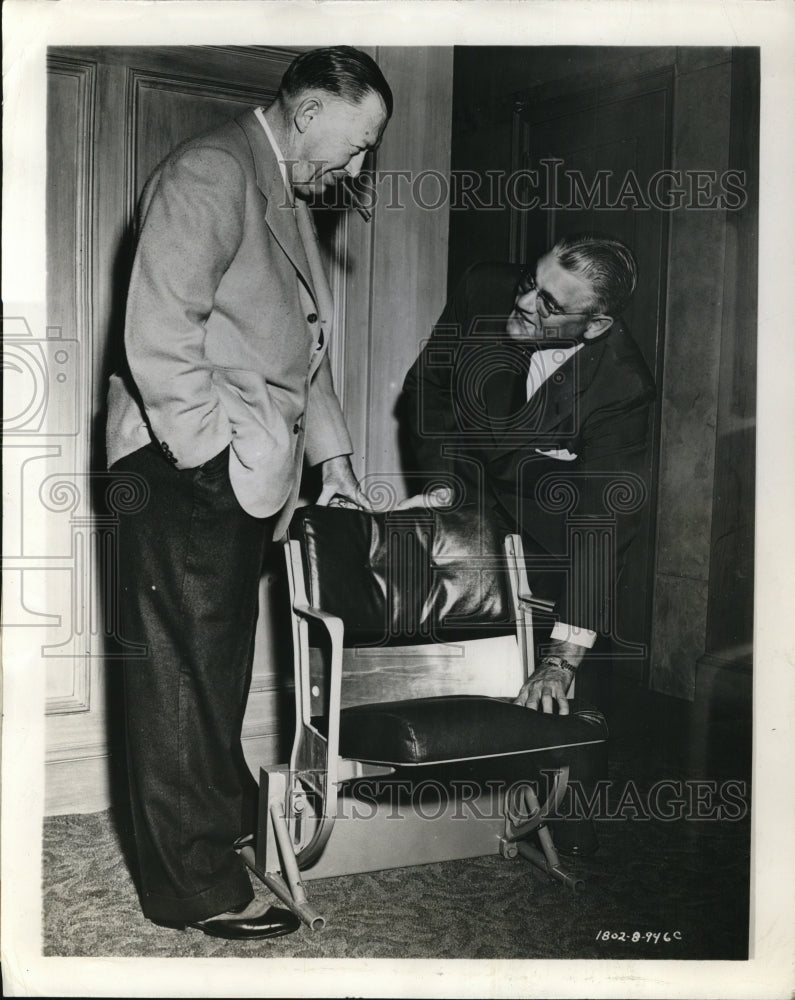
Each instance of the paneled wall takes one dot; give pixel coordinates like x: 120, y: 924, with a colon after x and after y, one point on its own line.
x: 728, y: 656
x: 703, y: 595
x: 408, y: 275
x: 113, y: 113
x: 692, y: 361
x: 73, y: 645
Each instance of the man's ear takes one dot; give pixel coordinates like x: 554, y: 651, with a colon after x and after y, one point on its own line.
x: 306, y: 112
x: 597, y: 327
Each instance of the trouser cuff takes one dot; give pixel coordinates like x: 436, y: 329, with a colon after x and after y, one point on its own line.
x: 233, y: 893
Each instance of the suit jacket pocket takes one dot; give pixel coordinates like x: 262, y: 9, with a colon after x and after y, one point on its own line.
x: 262, y: 466
x: 259, y: 428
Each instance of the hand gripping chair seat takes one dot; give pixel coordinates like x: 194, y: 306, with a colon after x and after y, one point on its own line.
x: 412, y: 634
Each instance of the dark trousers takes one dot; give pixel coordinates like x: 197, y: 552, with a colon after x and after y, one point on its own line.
x: 190, y: 561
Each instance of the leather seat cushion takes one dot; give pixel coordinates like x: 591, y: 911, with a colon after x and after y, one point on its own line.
x: 460, y: 727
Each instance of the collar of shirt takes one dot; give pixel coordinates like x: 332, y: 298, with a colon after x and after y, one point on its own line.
x: 260, y: 114
x: 545, y: 362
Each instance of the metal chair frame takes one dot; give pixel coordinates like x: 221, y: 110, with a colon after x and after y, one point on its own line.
x: 301, y: 805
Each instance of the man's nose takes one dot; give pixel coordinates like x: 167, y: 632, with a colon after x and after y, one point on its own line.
x: 528, y: 301
x: 355, y: 164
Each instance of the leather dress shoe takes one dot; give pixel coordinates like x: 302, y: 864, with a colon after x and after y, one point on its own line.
x: 274, y: 922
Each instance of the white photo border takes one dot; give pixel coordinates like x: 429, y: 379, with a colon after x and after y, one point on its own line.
x: 30, y: 26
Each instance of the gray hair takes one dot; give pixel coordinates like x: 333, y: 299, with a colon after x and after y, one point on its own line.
x: 341, y: 70
x: 608, y: 264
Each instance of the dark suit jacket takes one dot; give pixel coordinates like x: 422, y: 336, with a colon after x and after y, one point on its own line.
x: 466, y: 411
x: 222, y: 325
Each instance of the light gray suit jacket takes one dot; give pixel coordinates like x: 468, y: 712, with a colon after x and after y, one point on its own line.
x: 222, y: 325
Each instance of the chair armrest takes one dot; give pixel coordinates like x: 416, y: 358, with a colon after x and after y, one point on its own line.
x: 333, y: 625
x: 336, y: 630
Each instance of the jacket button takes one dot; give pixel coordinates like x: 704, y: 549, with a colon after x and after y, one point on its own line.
x: 296, y: 428
x: 312, y: 318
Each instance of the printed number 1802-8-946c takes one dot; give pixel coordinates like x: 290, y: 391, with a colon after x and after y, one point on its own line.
x: 634, y: 937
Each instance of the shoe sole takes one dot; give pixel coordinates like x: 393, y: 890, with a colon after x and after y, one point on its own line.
x: 253, y: 936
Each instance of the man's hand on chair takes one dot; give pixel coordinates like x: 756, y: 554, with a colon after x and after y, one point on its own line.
x: 548, y: 685
x: 341, y: 485
x: 434, y: 499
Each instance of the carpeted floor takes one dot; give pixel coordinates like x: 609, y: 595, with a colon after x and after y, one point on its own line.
x: 687, y: 875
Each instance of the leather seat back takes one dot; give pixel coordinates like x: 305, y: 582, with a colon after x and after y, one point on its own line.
x: 405, y: 577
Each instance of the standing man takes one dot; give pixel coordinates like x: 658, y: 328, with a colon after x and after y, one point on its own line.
x: 228, y: 388
x: 532, y: 401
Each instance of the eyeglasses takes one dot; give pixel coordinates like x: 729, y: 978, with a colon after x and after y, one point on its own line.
x: 546, y: 305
